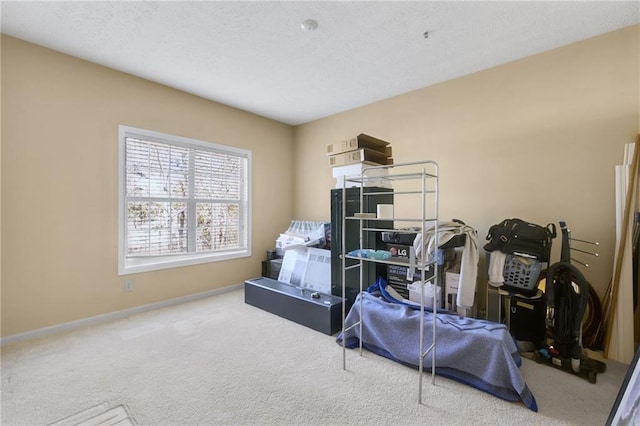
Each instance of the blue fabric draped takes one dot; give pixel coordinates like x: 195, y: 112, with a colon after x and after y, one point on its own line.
x: 478, y: 353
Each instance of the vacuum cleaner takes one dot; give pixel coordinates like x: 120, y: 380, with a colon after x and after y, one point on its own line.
x: 567, y: 294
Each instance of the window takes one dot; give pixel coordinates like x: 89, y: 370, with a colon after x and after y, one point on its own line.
x: 182, y: 201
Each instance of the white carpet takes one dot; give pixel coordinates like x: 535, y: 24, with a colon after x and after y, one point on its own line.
x: 220, y: 361
x: 99, y: 415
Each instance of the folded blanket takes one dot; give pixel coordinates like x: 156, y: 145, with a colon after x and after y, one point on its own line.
x: 478, y: 353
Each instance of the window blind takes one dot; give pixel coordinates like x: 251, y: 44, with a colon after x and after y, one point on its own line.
x: 183, y: 199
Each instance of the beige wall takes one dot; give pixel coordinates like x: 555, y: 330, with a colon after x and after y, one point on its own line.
x: 59, y: 167
x: 537, y: 139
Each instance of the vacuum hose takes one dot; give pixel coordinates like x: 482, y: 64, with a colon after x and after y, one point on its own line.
x: 569, y: 316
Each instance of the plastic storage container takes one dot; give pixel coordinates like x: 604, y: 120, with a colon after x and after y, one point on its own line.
x: 429, y: 288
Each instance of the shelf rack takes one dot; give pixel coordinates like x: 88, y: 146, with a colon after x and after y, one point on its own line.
x: 422, y: 173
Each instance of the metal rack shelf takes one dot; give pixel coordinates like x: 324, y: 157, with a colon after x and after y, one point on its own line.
x: 416, y: 175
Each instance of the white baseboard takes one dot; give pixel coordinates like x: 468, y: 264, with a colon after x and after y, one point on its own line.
x: 72, y: 325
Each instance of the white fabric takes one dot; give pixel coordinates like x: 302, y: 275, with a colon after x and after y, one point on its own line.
x: 470, y: 256
x: 496, y: 268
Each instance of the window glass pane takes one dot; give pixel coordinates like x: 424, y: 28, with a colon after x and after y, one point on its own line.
x: 179, y: 172
x: 137, y: 168
x: 155, y: 228
x: 185, y: 201
x: 138, y: 228
x: 156, y: 169
x: 179, y: 228
x: 217, y: 176
x: 159, y: 156
x: 218, y: 226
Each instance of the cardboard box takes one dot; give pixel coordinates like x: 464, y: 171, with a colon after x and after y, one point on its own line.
x: 344, y: 182
x: 402, y: 276
x: 359, y: 156
x: 360, y: 141
x: 307, y: 267
x: 399, y: 277
x: 358, y: 169
x: 402, y: 250
x: 361, y: 174
x: 317, y: 275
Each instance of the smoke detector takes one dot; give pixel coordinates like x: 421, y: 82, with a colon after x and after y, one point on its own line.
x: 309, y: 25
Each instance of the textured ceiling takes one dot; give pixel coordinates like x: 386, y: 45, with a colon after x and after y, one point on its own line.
x: 255, y: 56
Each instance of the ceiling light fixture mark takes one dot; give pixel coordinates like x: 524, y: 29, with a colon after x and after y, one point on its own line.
x: 309, y: 25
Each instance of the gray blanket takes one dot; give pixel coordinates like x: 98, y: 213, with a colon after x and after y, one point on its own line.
x: 478, y: 353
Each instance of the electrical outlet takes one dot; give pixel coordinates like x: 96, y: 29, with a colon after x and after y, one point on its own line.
x: 128, y: 285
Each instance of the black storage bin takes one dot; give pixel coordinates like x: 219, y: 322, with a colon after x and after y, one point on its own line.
x: 527, y: 318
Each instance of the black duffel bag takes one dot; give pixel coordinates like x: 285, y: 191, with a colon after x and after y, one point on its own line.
x: 521, y: 238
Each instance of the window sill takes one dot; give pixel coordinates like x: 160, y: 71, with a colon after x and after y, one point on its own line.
x: 137, y: 265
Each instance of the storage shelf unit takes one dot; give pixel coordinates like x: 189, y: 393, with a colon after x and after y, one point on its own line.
x: 347, y: 202
x: 415, y: 188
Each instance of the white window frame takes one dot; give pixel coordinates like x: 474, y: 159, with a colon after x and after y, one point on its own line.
x: 152, y: 263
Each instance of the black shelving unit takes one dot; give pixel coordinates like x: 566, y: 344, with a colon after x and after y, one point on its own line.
x: 352, y: 239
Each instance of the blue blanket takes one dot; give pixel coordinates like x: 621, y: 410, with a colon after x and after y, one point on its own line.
x: 478, y: 353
